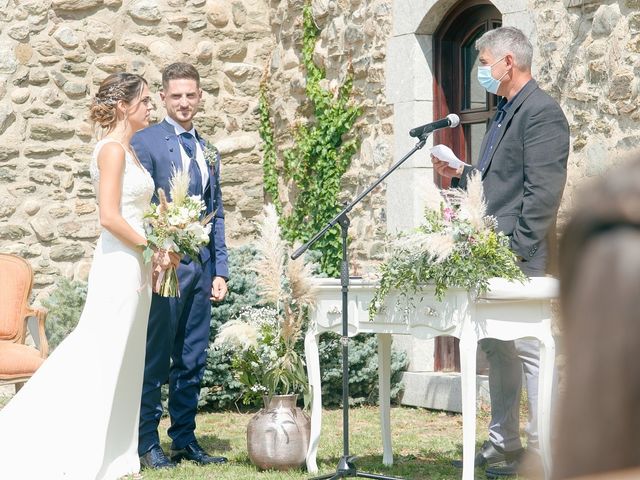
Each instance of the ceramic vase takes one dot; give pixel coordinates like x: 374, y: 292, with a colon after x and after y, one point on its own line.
x: 278, y: 435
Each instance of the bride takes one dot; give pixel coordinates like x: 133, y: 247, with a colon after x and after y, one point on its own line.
x: 77, y: 417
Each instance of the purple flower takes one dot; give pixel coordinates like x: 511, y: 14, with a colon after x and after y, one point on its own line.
x: 448, y: 214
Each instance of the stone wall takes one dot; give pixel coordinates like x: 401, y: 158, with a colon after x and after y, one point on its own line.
x: 588, y: 56
x: 352, y: 31
x: 54, y: 53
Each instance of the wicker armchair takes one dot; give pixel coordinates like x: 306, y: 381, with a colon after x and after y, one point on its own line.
x: 18, y: 361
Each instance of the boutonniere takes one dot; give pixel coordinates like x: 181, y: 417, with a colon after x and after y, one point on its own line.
x: 211, y: 155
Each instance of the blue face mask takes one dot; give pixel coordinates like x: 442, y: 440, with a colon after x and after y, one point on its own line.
x: 486, y: 80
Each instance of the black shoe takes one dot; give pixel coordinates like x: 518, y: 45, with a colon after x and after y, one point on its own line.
x: 489, y: 455
x: 195, y: 453
x: 156, y: 458
x: 528, y: 464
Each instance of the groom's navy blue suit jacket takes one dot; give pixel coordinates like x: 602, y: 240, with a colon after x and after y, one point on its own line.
x: 158, y: 149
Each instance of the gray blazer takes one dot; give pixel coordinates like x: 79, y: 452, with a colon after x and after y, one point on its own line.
x: 527, y: 170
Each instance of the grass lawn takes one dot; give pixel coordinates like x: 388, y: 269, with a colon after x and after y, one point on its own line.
x: 424, y: 444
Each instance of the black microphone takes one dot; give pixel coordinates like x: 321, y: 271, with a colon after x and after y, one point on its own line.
x: 452, y: 120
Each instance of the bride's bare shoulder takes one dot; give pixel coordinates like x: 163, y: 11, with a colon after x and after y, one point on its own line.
x: 110, y: 153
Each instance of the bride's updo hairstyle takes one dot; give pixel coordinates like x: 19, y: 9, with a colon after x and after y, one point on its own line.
x: 117, y: 86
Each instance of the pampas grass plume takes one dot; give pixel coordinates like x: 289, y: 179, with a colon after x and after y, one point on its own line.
x: 271, y: 257
x: 179, y: 185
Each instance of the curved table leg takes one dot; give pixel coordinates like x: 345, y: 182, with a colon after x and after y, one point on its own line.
x: 384, y: 389
x: 468, y: 347
x: 545, y: 393
x: 313, y: 373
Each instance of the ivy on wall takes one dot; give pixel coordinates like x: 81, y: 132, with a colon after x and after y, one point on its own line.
x: 321, y: 153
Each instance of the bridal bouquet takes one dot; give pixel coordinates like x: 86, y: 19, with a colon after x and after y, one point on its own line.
x: 176, y: 226
x: 456, y: 246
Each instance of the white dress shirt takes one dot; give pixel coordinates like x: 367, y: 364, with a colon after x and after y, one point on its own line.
x: 204, y: 169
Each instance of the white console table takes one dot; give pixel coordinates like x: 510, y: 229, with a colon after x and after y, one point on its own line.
x: 508, y: 311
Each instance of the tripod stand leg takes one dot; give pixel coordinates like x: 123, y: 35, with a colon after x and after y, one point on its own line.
x: 375, y: 475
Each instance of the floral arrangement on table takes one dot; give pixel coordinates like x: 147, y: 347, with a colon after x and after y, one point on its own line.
x: 264, y: 337
x: 456, y: 246
x: 176, y: 226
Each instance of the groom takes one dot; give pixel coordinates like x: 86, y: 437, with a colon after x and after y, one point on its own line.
x: 178, y: 331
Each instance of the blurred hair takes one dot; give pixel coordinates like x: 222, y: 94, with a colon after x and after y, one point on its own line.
x: 179, y: 70
x: 599, y: 421
x: 117, y: 86
x: 503, y: 40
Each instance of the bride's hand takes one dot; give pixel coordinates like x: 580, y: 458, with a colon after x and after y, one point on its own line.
x: 164, y: 260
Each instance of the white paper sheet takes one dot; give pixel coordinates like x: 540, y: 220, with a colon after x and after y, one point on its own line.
x: 444, y: 153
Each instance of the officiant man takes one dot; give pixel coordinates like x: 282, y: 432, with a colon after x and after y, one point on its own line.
x: 523, y: 163
x: 178, y: 331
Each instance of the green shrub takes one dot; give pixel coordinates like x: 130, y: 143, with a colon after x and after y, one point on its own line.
x: 363, y: 369
x: 220, y: 389
x: 65, y: 305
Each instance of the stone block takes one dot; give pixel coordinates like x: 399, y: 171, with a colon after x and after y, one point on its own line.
x: 75, y: 5
x: 408, y: 115
x: 7, y: 117
x: 7, y: 174
x: 232, y: 51
x: 162, y: 53
x: 79, y: 230
x: 239, y: 13
x: 19, y: 32
x: 111, y: 63
x: 145, y: 11
x: 408, y: 69
x: 218, y: 13
x: 67, y: 37
x: 66, y: 252
x: 59, y: 211
x: 99, y: 36
x: 8, y: 61
x: 49, y: 131
x: 7, y: 206
x: 43, y: 228
x: 13, y: 232
x: 44, y: 177
x: 605, y: 20
x: 440, y: 391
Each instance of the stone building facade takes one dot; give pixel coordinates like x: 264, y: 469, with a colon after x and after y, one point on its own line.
x: 54, y: 53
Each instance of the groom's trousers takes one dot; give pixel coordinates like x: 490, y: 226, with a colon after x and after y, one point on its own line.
x: 177, y: 340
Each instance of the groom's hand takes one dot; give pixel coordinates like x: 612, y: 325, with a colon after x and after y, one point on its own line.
x: 218, y: 289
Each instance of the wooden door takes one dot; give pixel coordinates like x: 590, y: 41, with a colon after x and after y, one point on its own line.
x: 456, y: 90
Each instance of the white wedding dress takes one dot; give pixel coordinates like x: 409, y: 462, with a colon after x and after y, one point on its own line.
x: 77, y: 417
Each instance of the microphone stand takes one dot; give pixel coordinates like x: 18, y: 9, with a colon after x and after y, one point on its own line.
x: 346, y: 466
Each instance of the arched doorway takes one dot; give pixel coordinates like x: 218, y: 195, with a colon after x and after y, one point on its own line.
x: 456, y: 90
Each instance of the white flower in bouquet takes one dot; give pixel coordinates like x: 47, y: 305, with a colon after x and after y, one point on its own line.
x: 176, y: 226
